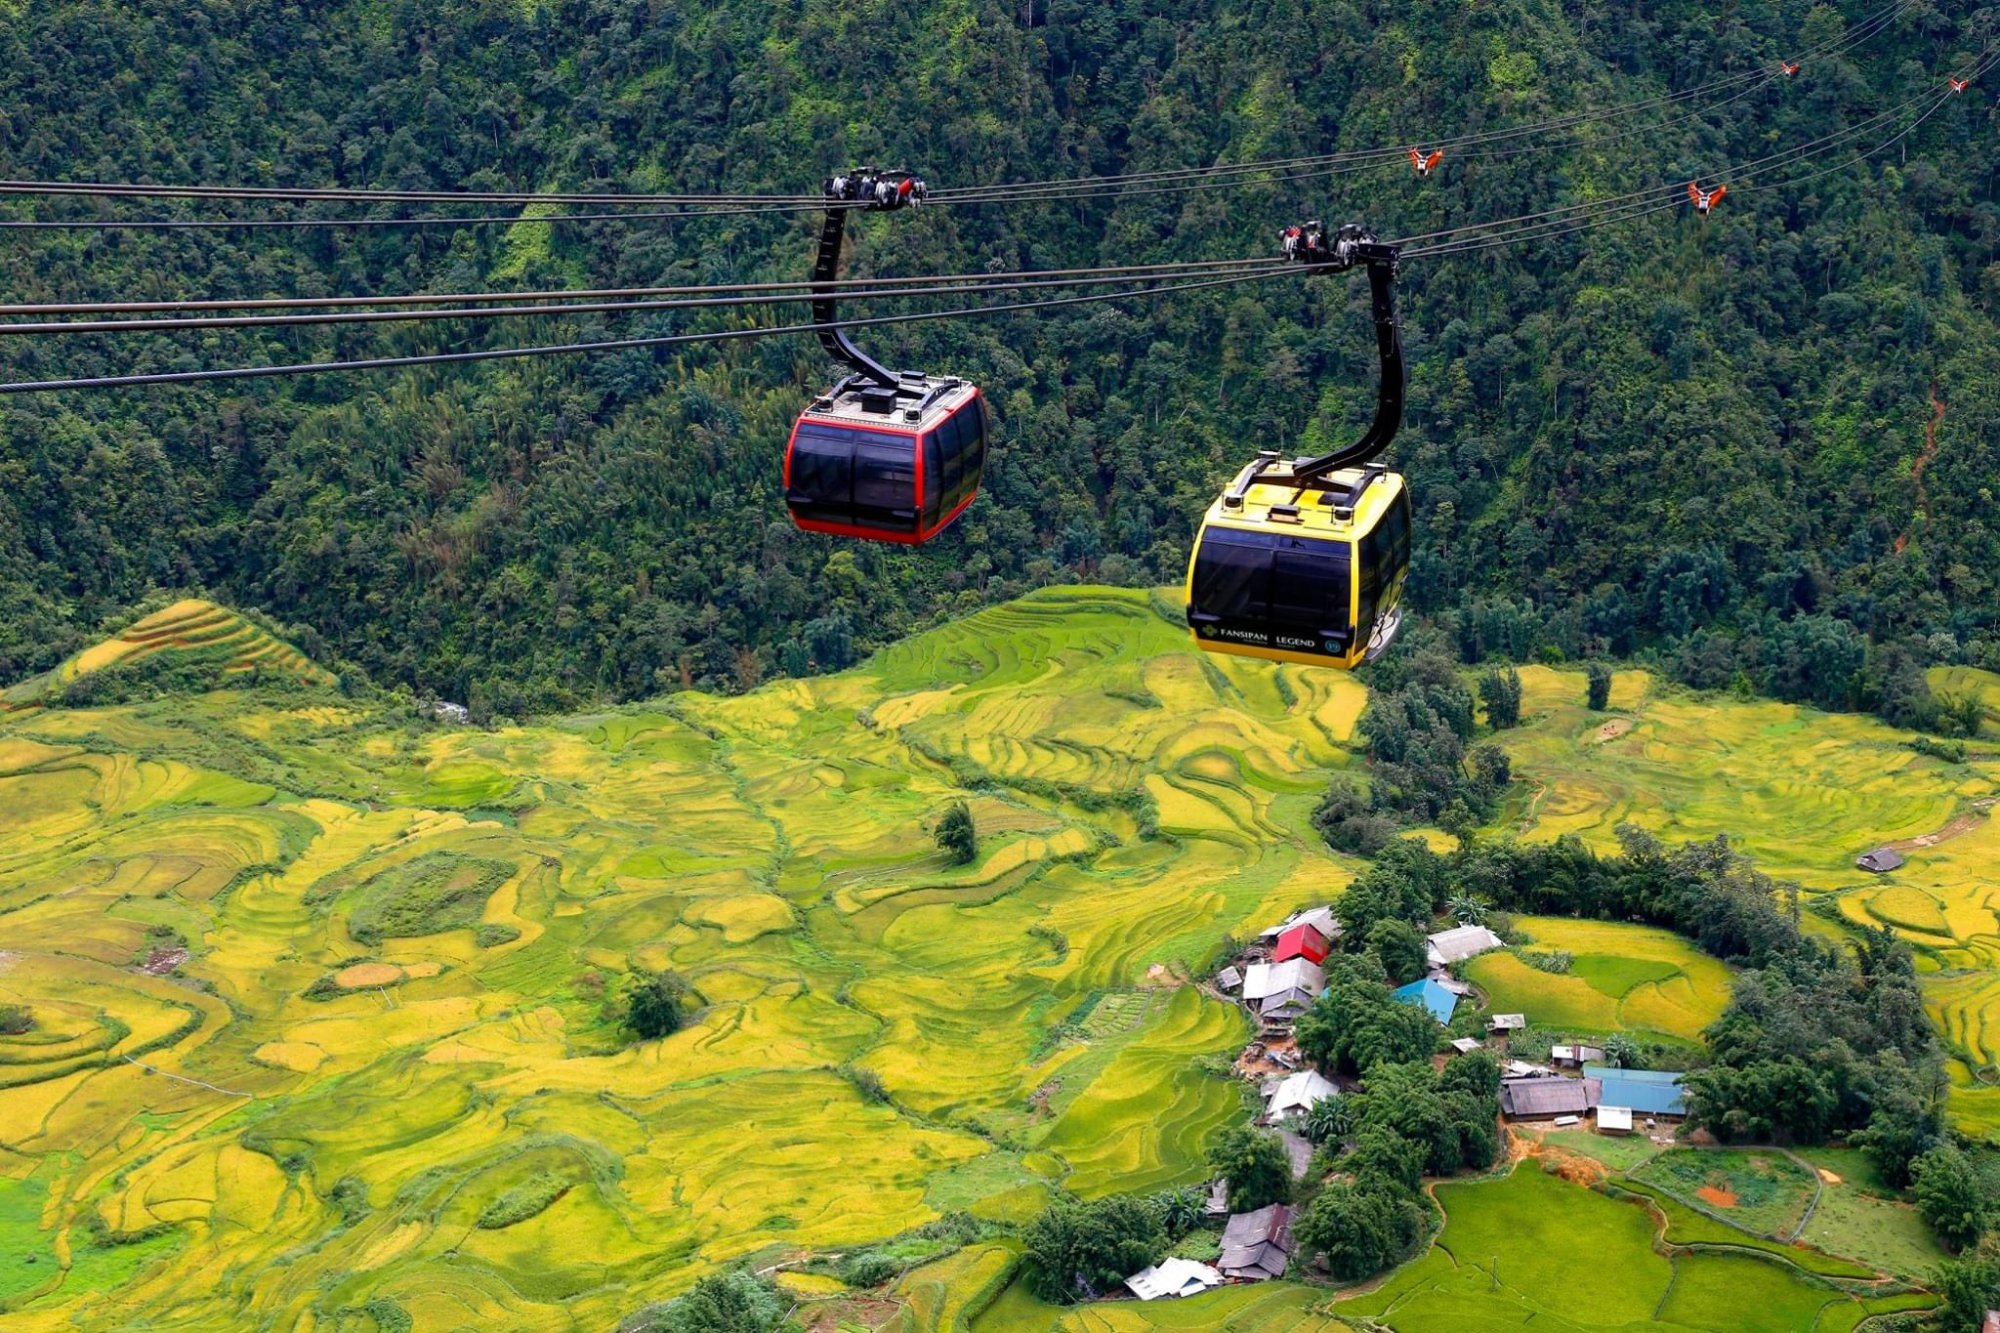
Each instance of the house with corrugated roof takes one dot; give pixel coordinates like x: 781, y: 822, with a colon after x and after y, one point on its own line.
x: 1295, y: 1094
x: 1880, y: 861
x: 1257, y: 1246
x: 1546, y: 1098
x: 1433, y: 997
x: 1645, y: 1091
x: 1301, y: 941
x: 1446, y: 947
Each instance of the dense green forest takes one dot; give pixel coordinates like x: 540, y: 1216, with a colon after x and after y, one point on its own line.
x: 1691, y: 437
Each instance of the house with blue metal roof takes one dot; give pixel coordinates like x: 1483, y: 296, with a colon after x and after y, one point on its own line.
x: 1431, y: 996
x: 1644, y: 1091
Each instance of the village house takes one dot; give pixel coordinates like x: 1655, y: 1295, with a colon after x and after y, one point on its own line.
x: 1501, y: 1023
x: 1547, y: 1098
x: 1280, y: 992
x: 1575, y: 1057
x: 1301, y: 941
x: 1880, y: 861
x: 1650, y: 1092
x: 1296, y: 1094
x: 1173, y: 1278
x: 1257, y: 1246
x: 1320, y: 919
x: 1459, y: 943
x: 1436, y: 998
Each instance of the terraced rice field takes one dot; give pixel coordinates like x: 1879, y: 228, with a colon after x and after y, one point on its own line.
x: 1622, y: 978
x: 191, y: 631
x: 387, y: 1058
x: 1803, y: 793
x: 385, y: 1077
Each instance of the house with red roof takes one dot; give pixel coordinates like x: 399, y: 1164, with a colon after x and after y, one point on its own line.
x: 1301, y: 941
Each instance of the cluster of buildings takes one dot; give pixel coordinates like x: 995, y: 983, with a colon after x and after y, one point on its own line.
x: 1279, y: 978
x: 1614, y: 1096
x: 1284, y: 971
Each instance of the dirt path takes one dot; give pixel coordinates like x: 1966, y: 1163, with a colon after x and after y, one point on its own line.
x: 1958, y: 824
x: 1924, y: 461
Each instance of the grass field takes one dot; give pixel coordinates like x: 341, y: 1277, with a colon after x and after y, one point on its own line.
x: 383, y: 1076
x: 1534, y: 1248
x: 1624, y: 978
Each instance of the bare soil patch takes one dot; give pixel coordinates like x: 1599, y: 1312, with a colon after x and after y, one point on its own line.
x: 1715, y: 1194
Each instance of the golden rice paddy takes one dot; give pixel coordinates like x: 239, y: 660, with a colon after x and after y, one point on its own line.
x: 295, y: 1122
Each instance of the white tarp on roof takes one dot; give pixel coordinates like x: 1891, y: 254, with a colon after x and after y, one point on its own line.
x: 1262, y: 979
x: 1300, y: 1092
x: 1173, y: 1277
x: 1449, y: 946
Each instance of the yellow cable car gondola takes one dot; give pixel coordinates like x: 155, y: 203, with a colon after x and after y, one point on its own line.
x: 1303, y: 561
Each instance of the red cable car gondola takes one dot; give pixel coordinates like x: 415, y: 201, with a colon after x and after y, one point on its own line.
x: 886, y: 455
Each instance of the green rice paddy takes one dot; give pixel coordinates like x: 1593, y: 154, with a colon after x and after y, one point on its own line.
x: 1623, y: 978
x: 403, y: 939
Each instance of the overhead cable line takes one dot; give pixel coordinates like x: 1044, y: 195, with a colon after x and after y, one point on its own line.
x: 838, y: 285
x: 1628, y: 208
x: 620, y: 344
x: 346, y: 318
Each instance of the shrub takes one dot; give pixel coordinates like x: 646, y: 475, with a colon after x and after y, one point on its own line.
x: 736, y: 1302
x: 956, y: 834
x: 869, y: 1268
x: 523, y: 1201
x: 436, y: 892
x: 15, y: 1019
x: 1598, y: 690
x: 653, y: 1005
x: 1554, y: 961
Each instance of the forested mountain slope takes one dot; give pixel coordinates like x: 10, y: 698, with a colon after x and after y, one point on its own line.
x: 1691, y: 434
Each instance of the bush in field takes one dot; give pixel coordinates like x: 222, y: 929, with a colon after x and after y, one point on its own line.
x: 870, y: 1268
x: 956, y: 834
x: 436, y: 892
x: 653, y: 1005
x: 523, y: 1201
x: 1258, y: 1168
x: 1598, y: 690
x: 1078, y: 1251
x: 15, y: 1019
x: 736, y: 1302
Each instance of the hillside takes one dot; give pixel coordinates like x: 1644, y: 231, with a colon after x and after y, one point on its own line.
x: 1695, y: 436
x: 382, y: 1072
x: 192, y: 638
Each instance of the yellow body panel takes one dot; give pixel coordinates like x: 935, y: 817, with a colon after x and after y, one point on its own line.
x: 1315, y: 521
